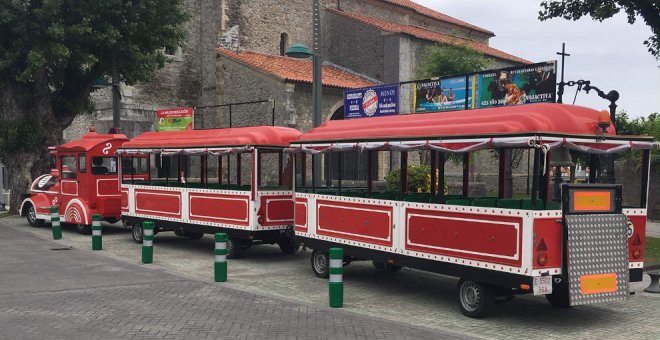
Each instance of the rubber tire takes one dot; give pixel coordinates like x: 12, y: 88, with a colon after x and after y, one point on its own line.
x: 137, y: 232
x: 388, y: 267
x: 288, y: 246
x: 193, y: 235
x: 83, y: 228
x: 320, y: 263
x: 233, y: 248
x: 32, y: 217
x: 179, y: 232
x: 559, y: 298
x: 481, y: 305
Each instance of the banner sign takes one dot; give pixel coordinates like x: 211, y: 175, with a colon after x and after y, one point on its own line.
x: 527, y: 84
x: 174, y: 119
x: 447, y: 94
x: 371, y: 101
x: 535, y: 83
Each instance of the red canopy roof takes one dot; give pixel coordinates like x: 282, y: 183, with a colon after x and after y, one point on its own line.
x: 244, y: 136
x: 89, y: 141
x: 511, y: 120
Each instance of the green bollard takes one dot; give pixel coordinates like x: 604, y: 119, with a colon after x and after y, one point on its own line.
x: 97, y: 238
x: 55, y: 222
x: 336, y: 277
x: 220, y: 257
x: 148, y: 242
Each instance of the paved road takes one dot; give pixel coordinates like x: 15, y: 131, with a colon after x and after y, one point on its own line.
x: 51, y: 291
x: 410, y: 296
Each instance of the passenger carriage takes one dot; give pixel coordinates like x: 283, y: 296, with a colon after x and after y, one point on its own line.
x: 576, y: 244
x: 235, y: 180
x: 83, y: 181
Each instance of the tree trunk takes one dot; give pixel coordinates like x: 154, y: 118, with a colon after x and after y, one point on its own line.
x: 25, y: 162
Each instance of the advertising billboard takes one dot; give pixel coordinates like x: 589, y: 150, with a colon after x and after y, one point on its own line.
x: 174, y: 119
x: 534, y: 83
x: 446, y: 94
x: 527, y: 84
x: 371, y: 101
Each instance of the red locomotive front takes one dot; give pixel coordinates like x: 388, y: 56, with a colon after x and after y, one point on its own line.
x: 83, y: 181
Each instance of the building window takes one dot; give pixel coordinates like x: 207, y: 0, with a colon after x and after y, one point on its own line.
x: 284, y: 43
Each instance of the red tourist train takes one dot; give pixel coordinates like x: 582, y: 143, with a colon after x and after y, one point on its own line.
x: 83, y: 181
x: 235, y: 180
x: 581, y: 244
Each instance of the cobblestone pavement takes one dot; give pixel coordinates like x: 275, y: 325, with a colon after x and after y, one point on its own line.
x: 50, y: 291
x: 411, y: 297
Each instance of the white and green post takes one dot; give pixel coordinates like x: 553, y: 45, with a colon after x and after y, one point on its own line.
x: 55, y: 222
x: 147, y: 242
x: 336, y: 288
x: 220, y: 257
x: 97, y: 238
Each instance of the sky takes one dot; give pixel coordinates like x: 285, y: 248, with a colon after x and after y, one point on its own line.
x: 610, y: 54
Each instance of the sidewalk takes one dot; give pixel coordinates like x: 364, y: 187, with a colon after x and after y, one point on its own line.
x: 48, y: 290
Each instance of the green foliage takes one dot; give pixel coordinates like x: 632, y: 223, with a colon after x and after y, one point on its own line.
x: 61, y: 46
x: 444, y: 60
x: 647, y: 126
x: 604, y: 9
x: 19, y: 135
x: 419, y: 179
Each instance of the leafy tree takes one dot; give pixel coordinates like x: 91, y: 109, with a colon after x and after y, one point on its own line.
x: 51, y: 52
x: 444, y: 60
x: 600, y: 10
x: 648, y: 126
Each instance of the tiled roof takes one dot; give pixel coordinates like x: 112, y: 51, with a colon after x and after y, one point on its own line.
x: 435, y: 15
x: 429, y: 35
x: 297, y: 70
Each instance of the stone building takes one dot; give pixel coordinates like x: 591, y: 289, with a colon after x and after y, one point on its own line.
x: 377, y: 40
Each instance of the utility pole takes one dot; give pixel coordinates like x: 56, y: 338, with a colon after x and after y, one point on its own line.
x: 560, y: 91
x: 317, y: 83
x: 116, y: 100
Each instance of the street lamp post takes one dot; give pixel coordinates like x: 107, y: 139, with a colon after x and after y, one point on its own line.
x: 301, y: 51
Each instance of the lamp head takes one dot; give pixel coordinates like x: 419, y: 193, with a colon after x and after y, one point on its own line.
x: 299, y: 51
x: 604, y: 120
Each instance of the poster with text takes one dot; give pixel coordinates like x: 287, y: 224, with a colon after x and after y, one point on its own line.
x: 534, y: 83
x: 446, y: 94
x: 371, y: 101
x: 174, y: 119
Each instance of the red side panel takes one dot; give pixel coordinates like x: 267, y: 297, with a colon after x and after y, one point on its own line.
x: 220, y: 208
x: 69, y: 187
x: 301, y: 214
x: 124, y: 200
x: 107, y: 187
x: 496, y: 239
x: 353, y: 221
x: 638, y: 239
x: 278, y: 210
x: 547, y: 235
x: 159, y: 203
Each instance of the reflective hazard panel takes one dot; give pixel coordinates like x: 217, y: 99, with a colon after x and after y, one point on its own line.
x: 597, y: 258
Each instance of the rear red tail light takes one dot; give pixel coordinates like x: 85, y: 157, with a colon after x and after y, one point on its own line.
x: 542, y: 259
x: 636, y: 253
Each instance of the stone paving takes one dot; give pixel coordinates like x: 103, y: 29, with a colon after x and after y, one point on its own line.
x: 48, y: 291
x: 411, y: 297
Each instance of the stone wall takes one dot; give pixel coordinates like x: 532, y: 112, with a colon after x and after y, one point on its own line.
x: 293, y: 101
x: 629, y: 174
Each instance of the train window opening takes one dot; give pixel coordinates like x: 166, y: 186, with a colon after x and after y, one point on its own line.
x: 69, y: 167
x: 134, y: 168
x: 274, y: 171
x: 192, y: 171
x: 164, y: 169
x: 82, y: 163
x: 104, y: 165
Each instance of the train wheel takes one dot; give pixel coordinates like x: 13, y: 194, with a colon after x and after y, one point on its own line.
x: 233, y: 248
x: 83, y: 228
x: 320, y: 263
x: 32, y: 217
x: 559, y: 298
x: 137, y: 232
x: 475, y: 299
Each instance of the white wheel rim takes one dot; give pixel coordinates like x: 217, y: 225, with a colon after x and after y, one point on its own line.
x: 470, y: 296
x: 32, y: 215
x: 320, y: 262
x: 137, y: 232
